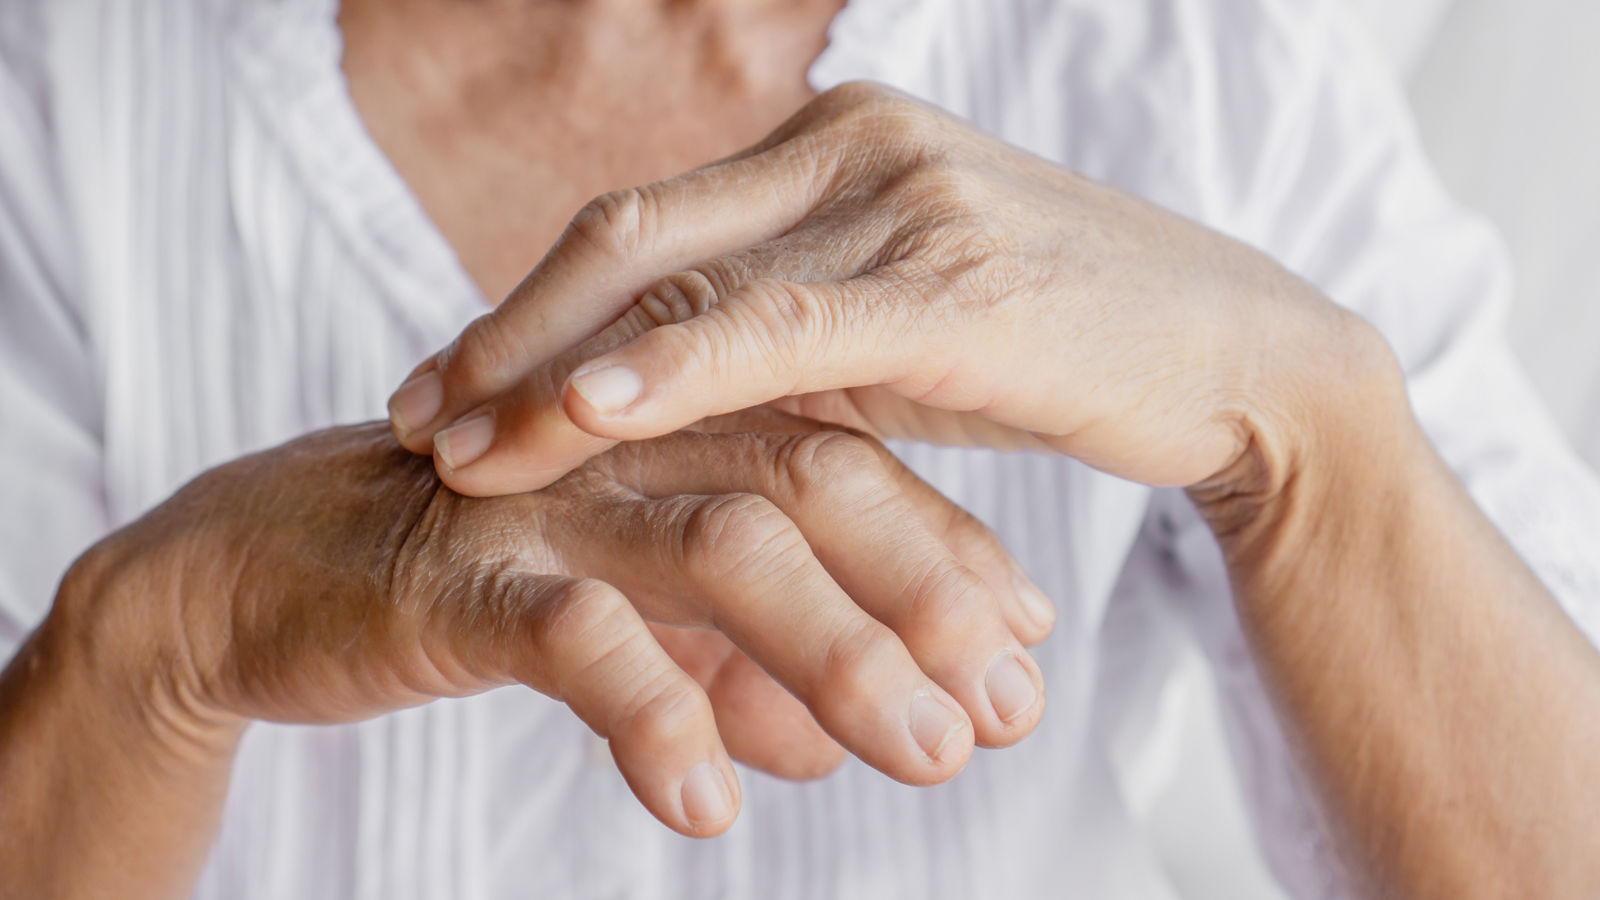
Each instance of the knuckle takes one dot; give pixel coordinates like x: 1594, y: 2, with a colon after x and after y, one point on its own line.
x: 884, y: 116
x: 664, y: 706
x: 861, y: 101
x: 734, y: 533
x: 617, y: 224
x: 966, y: 533
x: 854, y: 93
x: 484, y: 356
x: 832, y: 464
x: 952, y: 598
x: 856, y: 668
x: 605, y: 645
x: 682, y: 296
x: 587, y: 614
x: 707, y: 343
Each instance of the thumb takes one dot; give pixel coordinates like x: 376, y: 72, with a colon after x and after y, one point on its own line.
x: 767, y: 340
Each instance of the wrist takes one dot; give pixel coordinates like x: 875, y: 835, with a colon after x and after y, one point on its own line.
x: 1331, y: 427
x: 110, y: 785
x: 117, y: 636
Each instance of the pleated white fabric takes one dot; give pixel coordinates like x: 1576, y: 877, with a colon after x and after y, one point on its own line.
x: 202, y: 253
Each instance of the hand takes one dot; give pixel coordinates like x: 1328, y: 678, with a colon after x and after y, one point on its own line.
x: 342, y: 581
x: 878, y: 263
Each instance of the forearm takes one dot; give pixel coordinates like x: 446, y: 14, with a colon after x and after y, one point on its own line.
x: 1445, y: 707
x: 112, y: 788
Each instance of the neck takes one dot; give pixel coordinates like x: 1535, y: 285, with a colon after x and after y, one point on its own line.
x: 758, y: 46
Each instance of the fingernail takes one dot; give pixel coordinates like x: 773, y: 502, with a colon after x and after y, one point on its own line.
x: 460, y: 445
x: 1034, y: 602
x: 1011, y: 690
x: 417, y: 402
x: 608, y: 389
x: 706, y: 799
x: 932, y: 723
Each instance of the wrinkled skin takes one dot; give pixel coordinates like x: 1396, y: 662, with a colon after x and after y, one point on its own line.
x: 879, y: 263
x: 348, y: 582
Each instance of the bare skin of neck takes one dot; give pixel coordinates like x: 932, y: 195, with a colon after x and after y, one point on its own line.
x: 505, y: 117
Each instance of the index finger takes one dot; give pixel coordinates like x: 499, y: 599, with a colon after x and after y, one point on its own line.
x: 610, y: 252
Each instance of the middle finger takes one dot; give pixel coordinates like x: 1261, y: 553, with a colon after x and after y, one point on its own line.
x: 860, y: 525
x: 735, y: 562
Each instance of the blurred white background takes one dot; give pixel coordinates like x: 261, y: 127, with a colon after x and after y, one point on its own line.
x: 1507, y: 96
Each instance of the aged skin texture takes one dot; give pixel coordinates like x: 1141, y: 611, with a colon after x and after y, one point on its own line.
x: 878, y: 263
x: 334, y: 578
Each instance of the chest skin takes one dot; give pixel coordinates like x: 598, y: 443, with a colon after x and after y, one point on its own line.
x: 504, y: 119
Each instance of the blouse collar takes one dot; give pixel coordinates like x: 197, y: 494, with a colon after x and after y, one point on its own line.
x: 287, y: 56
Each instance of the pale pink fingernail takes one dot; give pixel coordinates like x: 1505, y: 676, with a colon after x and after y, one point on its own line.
x: 460, y: 445
x: 1010, y: 687
x: 706, y: 798
x: 417, y: 402
x: 609, y: 389
x: 932, y: 723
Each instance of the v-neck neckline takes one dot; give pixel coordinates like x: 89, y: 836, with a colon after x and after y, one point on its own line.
x: 287, y: 56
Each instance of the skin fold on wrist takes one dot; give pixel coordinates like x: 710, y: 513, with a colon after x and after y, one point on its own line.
x: 117, y: 627
x: 1320, y: 421
x: 94, y: 743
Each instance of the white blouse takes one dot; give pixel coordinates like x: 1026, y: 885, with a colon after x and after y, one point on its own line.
x: 203, y: 253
